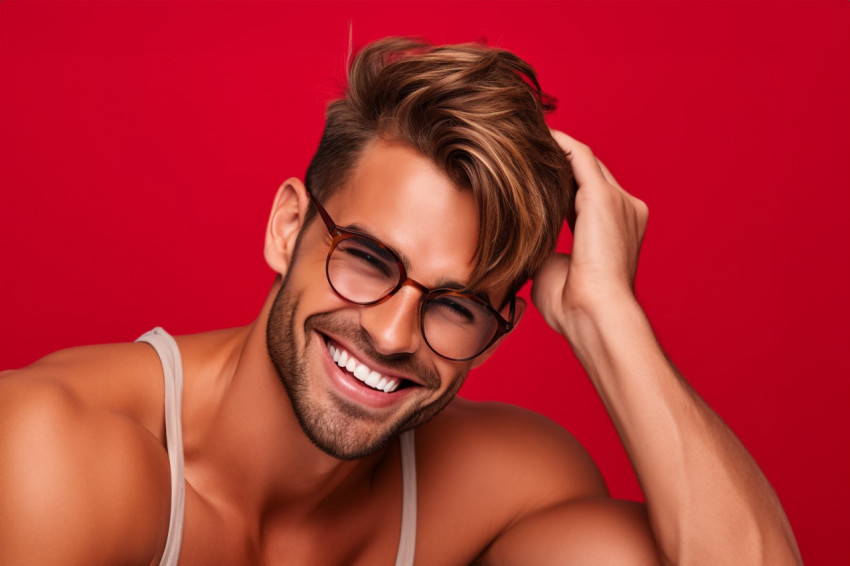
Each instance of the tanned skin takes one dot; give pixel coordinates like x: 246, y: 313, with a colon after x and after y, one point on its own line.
x: 84, y: 474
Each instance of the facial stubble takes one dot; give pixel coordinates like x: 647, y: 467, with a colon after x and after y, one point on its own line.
x: 345, y: 430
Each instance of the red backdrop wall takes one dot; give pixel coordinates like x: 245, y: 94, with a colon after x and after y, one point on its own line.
x: 141, y: 145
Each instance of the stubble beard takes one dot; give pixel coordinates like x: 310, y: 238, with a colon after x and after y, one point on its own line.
x: 344, y: 430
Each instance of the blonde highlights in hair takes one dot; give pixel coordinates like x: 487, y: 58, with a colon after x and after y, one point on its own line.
x: 478, y: 114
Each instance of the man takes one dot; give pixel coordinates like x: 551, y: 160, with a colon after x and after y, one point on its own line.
x: 328, y: 432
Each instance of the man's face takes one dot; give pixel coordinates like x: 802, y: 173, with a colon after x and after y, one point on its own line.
x: 400, y: 198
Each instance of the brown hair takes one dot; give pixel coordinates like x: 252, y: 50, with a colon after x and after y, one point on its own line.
x: 477, y: 113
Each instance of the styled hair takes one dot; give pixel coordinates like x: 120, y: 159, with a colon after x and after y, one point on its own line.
x: 478, y: 114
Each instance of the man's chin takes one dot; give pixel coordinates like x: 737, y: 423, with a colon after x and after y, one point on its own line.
x: 344, y: 435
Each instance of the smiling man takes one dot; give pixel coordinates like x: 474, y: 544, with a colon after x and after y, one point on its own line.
x: 328, y: 432
x: 355, y: 383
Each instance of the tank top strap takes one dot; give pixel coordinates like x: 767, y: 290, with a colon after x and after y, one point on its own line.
x: 172, y: 370
x: 407, y: 539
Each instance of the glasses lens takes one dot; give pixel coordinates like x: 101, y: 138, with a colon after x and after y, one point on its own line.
x: 361, y: 270
x: 456, y: 326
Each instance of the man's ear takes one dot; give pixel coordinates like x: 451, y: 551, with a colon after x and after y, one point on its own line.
x: 285, y: 222
x: 518, y: 312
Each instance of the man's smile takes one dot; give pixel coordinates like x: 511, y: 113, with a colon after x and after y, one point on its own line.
x: 360, y: 376
x: 361, y: 371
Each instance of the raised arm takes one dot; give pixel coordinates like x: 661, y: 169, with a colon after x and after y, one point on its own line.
x: 707, y: 500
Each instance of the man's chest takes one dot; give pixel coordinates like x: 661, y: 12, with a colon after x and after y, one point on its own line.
x: 366, y: 531
x: 360, y: 531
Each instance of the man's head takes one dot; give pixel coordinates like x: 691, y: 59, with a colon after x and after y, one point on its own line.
x: 478, y: 114
x: 441, y: 155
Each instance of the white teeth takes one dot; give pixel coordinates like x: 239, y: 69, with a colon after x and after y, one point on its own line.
x: 373, y: 379
x: 362, y: 372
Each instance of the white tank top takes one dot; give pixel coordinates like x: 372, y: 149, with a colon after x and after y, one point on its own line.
x: 172, y: 370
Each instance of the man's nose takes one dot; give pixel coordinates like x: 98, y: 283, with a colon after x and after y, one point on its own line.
x: 393, y: 325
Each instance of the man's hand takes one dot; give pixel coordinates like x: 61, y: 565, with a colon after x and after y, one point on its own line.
x: 609, y: 228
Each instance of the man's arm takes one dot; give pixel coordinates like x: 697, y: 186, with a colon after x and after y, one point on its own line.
x: 77, y: 485
x: 707, y: 501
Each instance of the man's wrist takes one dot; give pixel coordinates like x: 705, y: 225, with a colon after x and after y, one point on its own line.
x: 598, y: 329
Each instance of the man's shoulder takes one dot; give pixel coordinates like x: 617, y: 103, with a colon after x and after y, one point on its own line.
x: 504, y: 460
x: 78, y: 478
x: 512, y: 440
x: 122, y: 378
x: 523, y: 489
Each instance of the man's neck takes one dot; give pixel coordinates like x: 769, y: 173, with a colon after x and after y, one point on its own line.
x: 248, y: 446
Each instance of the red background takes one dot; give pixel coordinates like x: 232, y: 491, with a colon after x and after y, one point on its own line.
x: 141, y: 145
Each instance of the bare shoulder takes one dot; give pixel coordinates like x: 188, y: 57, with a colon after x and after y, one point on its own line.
x: 524, y: 489
x: 515, y: 445
x: 122, y: 377
x: 78, y: 481
x: 482, y: 467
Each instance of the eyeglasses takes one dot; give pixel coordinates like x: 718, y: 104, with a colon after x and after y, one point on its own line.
x: 455, y: 325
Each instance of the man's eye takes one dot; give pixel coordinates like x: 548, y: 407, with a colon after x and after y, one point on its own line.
x: 461, y: 311
x: 367, y: 257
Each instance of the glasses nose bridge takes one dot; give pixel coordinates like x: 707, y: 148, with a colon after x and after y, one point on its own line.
x: 408, y: 282
x: 415, y: 284
x: 397, y: 325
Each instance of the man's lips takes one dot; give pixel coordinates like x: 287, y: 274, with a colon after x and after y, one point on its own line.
x: 369, y: 373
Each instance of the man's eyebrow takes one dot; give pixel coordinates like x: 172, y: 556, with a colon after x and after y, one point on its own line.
x: 379, y: 248
x: 458, y: 286
x: 405, y: 261
x: 358, y: 229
